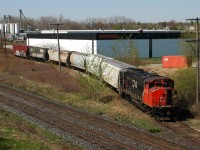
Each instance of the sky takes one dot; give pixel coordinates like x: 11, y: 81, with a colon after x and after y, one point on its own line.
x: 79, y: 10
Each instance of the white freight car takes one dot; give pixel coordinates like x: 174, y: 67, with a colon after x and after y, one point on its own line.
x: 108, y: 68
x: 53, y: 56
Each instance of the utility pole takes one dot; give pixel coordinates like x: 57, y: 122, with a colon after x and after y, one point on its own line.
x: 4, y: 36
x: 6, y: 18
x: 20, y: 16
x: 57, y: 28
x: 197, y: 60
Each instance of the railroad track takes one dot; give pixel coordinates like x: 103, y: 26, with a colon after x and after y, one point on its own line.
x: 183, y: 130
x: 90, y: 130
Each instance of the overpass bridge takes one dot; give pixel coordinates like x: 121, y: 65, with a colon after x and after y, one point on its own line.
x: 95, y: 35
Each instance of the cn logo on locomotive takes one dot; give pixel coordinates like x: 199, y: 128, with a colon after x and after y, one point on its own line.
x: 134, y: 84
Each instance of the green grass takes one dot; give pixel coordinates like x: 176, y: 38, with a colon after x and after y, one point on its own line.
x: 145, y: 61
x: 14, y: 133
x: 7, y: 144
x: 122, y: 118
x: 195, y: 123
x: 18, y: 134
x: 147, y: 125
x: 99, y: 111
x: 140, y: 123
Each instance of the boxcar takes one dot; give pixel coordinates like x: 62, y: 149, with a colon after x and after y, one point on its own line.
x: 38, y: 53
x: 20, y: 50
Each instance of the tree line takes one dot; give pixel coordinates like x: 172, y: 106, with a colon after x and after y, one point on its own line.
x: 110, y: 23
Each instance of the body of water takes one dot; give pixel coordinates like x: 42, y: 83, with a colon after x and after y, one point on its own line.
x: 161, y: 47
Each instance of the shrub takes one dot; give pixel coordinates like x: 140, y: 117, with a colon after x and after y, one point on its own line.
x: 185, y: 83
x: 93, y: 87
x: 93, y: 79
x: 126, y: 51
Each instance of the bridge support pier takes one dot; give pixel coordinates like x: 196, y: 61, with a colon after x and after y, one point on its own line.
x: 150, y: 48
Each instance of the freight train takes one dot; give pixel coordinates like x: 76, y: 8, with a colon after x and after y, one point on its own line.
x: 149, y: 91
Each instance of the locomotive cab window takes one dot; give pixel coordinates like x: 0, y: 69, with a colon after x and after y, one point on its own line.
x: 146, y: 85
x: 161, y: 83
x: 151, y: 84
x: 169, y: 83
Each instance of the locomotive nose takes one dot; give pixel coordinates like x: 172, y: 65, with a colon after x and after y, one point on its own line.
x: 161, y: 96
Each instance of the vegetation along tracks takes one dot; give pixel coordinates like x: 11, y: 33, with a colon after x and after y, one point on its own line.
x: 91, y: 130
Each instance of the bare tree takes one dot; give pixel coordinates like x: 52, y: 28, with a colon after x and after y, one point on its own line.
x: 125, y: 50
x: 45, y: 21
